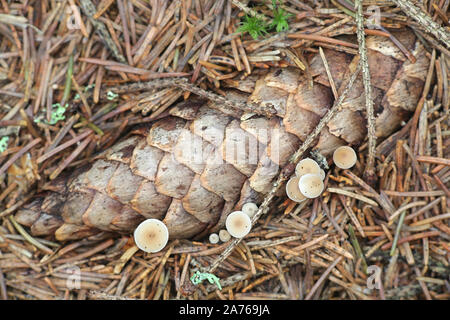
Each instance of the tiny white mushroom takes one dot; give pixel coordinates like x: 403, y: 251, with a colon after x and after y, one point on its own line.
x: 311, y: 185
x: 151, y: 235
x: 292, y: 190
x: 224, y: 236
x: 250, y: 209
x: 305, y: 166
x: 344, y: 157
x: 238, y: 224
x: 213, y: 238
x: 322, y: 174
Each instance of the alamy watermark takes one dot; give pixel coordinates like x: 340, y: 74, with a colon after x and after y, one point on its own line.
x: 73, y: 13
x: 374, y: 19
x: 374, y: 281
x: 73, y: 281
x: 233, y: 146
x: 72, y: 21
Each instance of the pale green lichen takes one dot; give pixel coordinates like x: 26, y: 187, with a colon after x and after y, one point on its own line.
x: 257, y: 27
x: 3, y: 143
x: 111, y: 95
x: 86, y: 89
x: 57, y: 114
x: 199, y: 277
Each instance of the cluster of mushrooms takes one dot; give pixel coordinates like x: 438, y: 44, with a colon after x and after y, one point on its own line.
x: 152, y: 235
x: 308, y: 180
x: 238, y: 224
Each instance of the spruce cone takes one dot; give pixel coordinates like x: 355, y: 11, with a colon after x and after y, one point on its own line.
x: 199, y: 164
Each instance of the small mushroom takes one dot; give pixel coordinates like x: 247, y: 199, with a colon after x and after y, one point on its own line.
x: 322, y: 174
x: 213, y: 238
x: 305, y: 166
x: 292, y: 190
x: 238, y: 224
x: 224, y: 235
x: 151, y: 235
x: 311, y: 185
x: 250, y: 209
x: 344, y: 157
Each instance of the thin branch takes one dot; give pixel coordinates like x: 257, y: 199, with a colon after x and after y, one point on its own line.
x: 328, y: 71
x: 433, y: 42
x: 231, y: 105
x: 99, y: 295
x: 424, y: 20
x: 369, y: 172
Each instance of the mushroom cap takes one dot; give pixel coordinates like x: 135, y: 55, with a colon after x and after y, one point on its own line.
x: 344, y: 157
x: 311, y: 185
x: 322, y: 174
x: 224, y: 235
x: 214, y: 238
x: 238, y: 224
x: 305, y: 166
x: 292, y: 190
x: 250, y: 209
x: 151, y: 235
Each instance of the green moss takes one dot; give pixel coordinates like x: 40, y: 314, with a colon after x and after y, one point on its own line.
x: 255, y: 27
x: 280, y: 17
x: 3, y: 143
